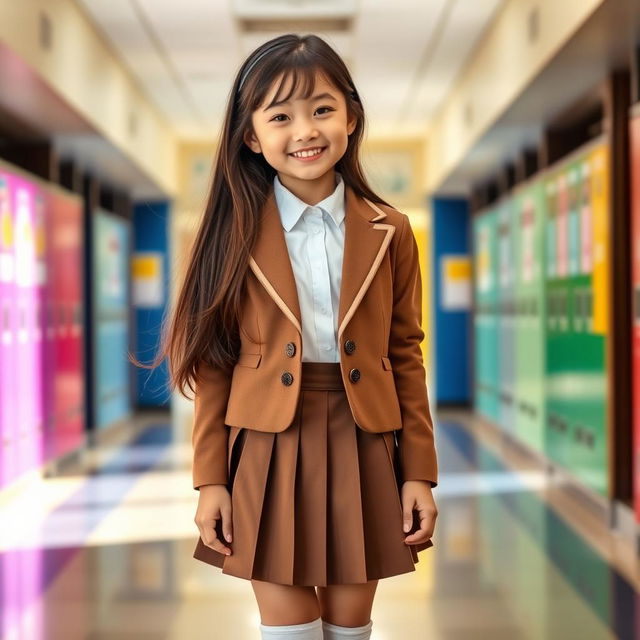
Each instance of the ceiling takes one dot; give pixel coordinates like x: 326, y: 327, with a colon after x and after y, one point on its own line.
x: 603, y: 43
x: 404, y: 55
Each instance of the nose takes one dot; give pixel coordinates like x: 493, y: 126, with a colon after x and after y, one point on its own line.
x: 305, y: 129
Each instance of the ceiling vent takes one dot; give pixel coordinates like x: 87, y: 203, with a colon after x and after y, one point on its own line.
x: 295, y: 25
x: 45, y: 31
x: 261, y: 16
x: 533, y: 24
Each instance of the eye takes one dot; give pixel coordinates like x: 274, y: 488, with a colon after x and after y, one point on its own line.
x: 277, y: 117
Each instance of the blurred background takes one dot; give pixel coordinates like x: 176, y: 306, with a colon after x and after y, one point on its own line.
x: 509, y: 132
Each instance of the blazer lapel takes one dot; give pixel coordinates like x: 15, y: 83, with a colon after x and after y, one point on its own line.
x: 365, y: 242
x: 270, y: 261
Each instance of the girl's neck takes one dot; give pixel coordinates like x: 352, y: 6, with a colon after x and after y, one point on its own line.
x: 310, y: 191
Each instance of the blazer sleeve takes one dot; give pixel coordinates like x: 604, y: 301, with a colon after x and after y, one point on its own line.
x: 418, y: 458
x: 210, y: 434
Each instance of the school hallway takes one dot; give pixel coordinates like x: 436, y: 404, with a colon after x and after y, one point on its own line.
x: 104, y: 552
x: 458, y: 191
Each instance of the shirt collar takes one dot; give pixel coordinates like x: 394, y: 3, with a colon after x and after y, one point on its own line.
x: 291, y: 207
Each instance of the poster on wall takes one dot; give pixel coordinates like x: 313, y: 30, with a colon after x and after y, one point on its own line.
x: 394, y: 172
x: 147, y: 285
x: 455, y: 282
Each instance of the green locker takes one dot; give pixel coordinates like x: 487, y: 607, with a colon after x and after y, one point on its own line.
x: 557, y: 355
x: 530, y: 314
x: 506, y: 320
x: 486, y: 314
x: 578, y: 302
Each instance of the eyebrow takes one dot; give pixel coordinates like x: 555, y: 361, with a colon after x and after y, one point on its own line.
x: 320, y: 96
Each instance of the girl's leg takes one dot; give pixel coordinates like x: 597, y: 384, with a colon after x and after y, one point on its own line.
x: 282, y: 604
x: 347, y: 605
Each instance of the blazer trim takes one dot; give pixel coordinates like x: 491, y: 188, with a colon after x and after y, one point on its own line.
x: 274, y: 294
x: 375, y: 207
x: 271, y: 264
x: 390, y: 230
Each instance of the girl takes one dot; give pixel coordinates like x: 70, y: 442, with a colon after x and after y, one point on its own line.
x: 299, y: 323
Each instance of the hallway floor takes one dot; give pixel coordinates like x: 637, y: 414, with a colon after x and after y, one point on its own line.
x: 106, y: 554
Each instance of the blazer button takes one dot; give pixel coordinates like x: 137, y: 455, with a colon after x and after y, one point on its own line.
x: 354, y: 375
x: 287, y: 379
x: 290, y: 349
x: 349, y: 346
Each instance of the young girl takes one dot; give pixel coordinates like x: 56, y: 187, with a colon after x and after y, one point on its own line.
x: 299, y: 323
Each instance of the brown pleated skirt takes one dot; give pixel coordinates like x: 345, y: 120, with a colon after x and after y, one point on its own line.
x: 318, y: 503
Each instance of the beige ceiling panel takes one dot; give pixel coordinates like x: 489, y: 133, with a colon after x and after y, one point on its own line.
x: 404, y: 55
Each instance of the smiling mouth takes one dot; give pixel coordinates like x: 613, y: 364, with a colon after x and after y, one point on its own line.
x: 308, y: 154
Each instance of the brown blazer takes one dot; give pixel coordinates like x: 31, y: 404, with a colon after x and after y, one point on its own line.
x: 379, y: 335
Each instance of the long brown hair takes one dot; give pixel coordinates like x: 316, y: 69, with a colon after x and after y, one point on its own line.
x: 204, y: 325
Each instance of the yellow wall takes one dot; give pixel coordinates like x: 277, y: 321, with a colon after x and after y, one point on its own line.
x: 381, y: 155
x: 194, y: 165
x: 83, y: 70
x: 422, y: 230
x: 499, y: 70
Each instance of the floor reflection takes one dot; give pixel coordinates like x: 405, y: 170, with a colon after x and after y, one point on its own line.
x: 107, y: 553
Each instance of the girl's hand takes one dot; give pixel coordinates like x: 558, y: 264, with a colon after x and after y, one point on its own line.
x: 417, y: 494
x: 214, y: 503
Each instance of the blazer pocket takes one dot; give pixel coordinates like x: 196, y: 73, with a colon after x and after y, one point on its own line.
x: 249, y: 359
x: 386, y: 363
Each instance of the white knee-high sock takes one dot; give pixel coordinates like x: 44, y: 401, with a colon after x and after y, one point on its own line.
x: 336, y: 632
x: 304, y: 631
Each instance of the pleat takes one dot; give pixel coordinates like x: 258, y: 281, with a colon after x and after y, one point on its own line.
x: 247, y: 501
x: 310, y: 550
x: 318, y: 503
x: 234, y: 433
x: 345, y: 522
x: 386, y: 552
x: 274, y: 561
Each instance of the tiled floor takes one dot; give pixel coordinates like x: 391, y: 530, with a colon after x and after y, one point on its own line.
x: 108, y: 554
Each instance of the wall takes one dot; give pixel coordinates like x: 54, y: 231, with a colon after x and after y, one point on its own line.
x: 81, y: 68
x: 505, y: 62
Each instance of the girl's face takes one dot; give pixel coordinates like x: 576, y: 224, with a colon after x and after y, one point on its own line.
x: 320, y: 122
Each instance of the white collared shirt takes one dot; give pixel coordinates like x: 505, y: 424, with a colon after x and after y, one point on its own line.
x: 315, y: 240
